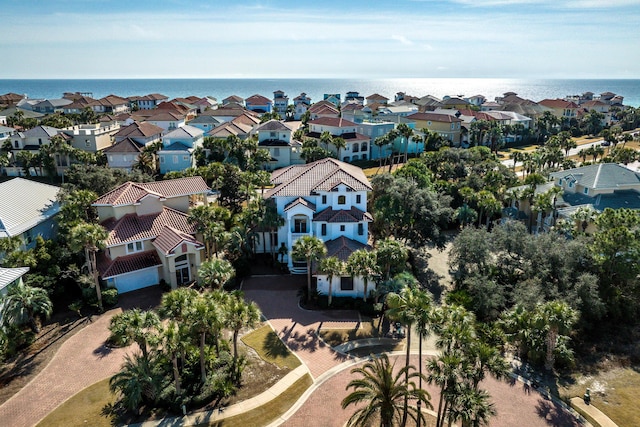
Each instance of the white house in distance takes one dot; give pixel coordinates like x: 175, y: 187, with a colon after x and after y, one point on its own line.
x: 150, y: 237
x: 326, y: 199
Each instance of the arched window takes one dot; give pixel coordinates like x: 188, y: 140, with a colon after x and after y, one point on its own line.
x: 355, y: 147
x: 363, y: 146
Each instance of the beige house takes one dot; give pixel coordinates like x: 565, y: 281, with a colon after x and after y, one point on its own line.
x: 150, y: 238
x: 92, y: 137
x: 446, y: 125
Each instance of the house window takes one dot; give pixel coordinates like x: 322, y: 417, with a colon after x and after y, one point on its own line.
x: 324, y: 199
x: 342, y: 200
x: 346, y: 284
x: 276, y: 151
x: 570, y: 184
x: 364, y: 157
x: 346, y: 159
x: 134, y: 247
x: 185, y: 158
x: 360, y: 229
x: 299, y: 225
x: 39, y: 141
x: 354, y: 158
x: 274, y: 239
x: 355, y: 147
x: 87, y: 143
x: 273, y: 134
x: 453, y: 126
x: 161, y: 159
x: 342, y: 227
x: 363, y: 146
x: 111, y: 158
x: 323, y: 228
x: 586, y: 190
x: 16, y: 144
x: 428, y: 123
x: 124, y: 158
x: 358, y: 198
x: 175, y: 159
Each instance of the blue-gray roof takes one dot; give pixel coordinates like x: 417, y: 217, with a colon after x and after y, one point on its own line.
x: 601, y: 176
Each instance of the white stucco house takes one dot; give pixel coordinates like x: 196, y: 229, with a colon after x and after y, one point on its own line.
x: 276, y: 137
x: 326, y: 199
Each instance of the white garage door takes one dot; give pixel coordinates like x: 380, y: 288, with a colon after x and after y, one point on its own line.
x: 137, y: 280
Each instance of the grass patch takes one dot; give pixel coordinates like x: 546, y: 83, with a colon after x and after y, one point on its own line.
x: 270, y: 411
x: 270, y: 348
x: 585, y: 416
x: 335, y: 337
x: 84, y: 408
x: 614, y: 392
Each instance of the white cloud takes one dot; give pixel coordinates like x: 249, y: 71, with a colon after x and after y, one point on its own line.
x: 402, y: 39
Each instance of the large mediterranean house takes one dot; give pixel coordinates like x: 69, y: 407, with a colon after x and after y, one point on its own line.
x: 326, y: 199
x: 150, y: 238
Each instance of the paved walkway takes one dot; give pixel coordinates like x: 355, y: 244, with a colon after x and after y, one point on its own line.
x: 593, y: 412
x: 81, y: 361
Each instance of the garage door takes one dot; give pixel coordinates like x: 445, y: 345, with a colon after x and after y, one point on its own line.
x: 136, y: 280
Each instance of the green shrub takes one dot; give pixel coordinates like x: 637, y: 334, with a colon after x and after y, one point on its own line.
x: 89, y: 296
x: 166, y: 287
x: 110, y: 297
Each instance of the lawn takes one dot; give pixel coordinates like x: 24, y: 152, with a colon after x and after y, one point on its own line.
x: 614, y: 392
x: 270, y: 348
x: 335, y: 337
x: 85, y: 408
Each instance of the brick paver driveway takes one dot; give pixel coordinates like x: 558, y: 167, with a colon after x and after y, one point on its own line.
x: 516, y: 405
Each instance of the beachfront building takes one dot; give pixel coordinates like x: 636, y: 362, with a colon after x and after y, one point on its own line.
x: 149, y: 236
x: 259, y: 104
x: 357, y: 145
x: 280, y: 103
x: 111, y: 104
x: 276, y: 137
x: 301, y: 104
x: 447, y: 126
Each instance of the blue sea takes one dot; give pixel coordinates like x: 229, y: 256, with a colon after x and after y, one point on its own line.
x: 535, y: 90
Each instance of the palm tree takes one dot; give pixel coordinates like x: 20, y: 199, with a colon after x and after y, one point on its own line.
x: 91, y: 238
x: 326, y: 138
x: 407, y: 133
x: 339, y: 143
x: 174, y: 342
x: 145, y: 163
x: 240, y: 314
x: 216, y: 272
x: 471, y: 406
x: 206, y: 316
x: 138, y: 382
x: 176, y: 304
x: 390, y: 253
x: 310, y: 248
x: 23, y: 303
x: 141, y: 327
x: 557, y: 317
x: 383, y: 394
x: 332, y: 267
x: 363, y: 263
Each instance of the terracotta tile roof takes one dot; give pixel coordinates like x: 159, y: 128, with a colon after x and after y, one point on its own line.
x: 321, y: 175
x: 233, y: 98
x: 136, y: 129
x: 594, y: 103
x: 342, y: 247
x: 301, y: 201
x: 164, y: 116
x: 323, y: 106
x: 127, y: 264
x: 332, y: 121
x: 258, y: 100
x: 434, y: 117
x: 131, y: 192
x: 126, y: 145
x: 352, y: 215
x: 226, y: 111
x: 378, y: 97
x: 169, y: 239
x: 558, y: 103
x: 246, y: 119
x: 131, y: 227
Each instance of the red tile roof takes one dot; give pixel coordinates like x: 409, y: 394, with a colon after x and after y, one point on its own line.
x: 131, y: 192
x: 333, y: 216
x: 127, y: 264
x: 323, y: 106
x: 169, y: 239
x: 342, y: 247
x: 377, y: 96
x: 558, y: 103
x: 321, y: 175
x: 257, y: 100
x: 126, y: 145
x: 136, y: 129
x: 131, y: 227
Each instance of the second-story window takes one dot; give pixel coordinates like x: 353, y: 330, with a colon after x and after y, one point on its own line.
x: 355, y: 147
x: 360, y: 229
x: 134, y: 247
x: 323, y: 228
x: 342, y: 200
x: 358, y: 198
x: 324, y: 199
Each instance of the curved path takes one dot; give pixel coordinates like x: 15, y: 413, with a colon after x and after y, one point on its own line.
x: 515, y: 402
x: 81, y: 361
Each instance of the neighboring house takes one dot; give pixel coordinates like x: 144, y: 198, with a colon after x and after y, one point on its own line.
x: 6, y: 132
x: 178, y: 147
x: 232, y: 128
x: 326, y: 199
x: 226, y: 113
x: 149, y: 102
x: 428, y: 103
x: 50, y: 106
x: 150, y: 238
x: 561, y: 108
x: 27, y: 210
x: 30, y: 140
x: 123, y: 154
x: 167, y: 120
x: 259, y: 104
x: 111, y: 104
x: 323, y: 109
x: 377, y: 98
x: 205, y: 103
x: 454, y: 103
x: 92, y: 137
x: 353, y: 96
x: 446, y: 125
x: 233, y: 99
x: 11, y: 99
x: 476, y: 100
x: 373, y: 130
x: 280, y: 103
x: 275, y: 137
x: 333, y: 98
x: 10, y: 277
x: 301, y: 104
x: 357, y: 145
x: 143, y: 133
x: 205, y: 122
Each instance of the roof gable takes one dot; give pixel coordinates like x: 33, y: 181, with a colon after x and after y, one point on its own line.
x: 131, y: 192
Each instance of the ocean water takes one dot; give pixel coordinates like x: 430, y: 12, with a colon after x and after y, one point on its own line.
x: 535, y: 90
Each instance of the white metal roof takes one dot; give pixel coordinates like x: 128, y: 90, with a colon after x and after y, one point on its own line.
x: 25, y: 204
x: 9, y: 275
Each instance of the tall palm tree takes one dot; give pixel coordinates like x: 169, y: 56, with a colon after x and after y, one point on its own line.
x: 383, y: 393
x: 407, y: 133
x: 310, y: 248
x: 176, y: 304
x: 471, y: 407
x: 332, y: 267
x: 326, y: 139
x: 216, y: 272
x: 23, y: 303
x: 174, y: 342
x: 205, y: 317
x: 390, y: 253
x: 362, y: 263
x: 139, y: 382
x: 339, y: 143
x: 91, y: 238
x: 557, y: 318
x: 240, y: 314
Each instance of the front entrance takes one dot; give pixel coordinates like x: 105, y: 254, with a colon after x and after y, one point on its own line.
x: 182, y: 270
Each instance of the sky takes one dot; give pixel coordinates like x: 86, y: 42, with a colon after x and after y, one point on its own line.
x: 320, y: 39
